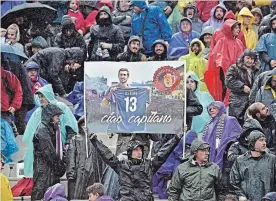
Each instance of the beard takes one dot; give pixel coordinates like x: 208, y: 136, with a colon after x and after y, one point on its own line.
x: 103, y: 21
x: 274, y: 30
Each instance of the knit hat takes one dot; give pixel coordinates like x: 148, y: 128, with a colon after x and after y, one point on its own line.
x: 39, y: 42
x: 66, y: 19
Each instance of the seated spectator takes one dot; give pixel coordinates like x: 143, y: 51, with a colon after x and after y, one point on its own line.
x: 179, y: 44
x: 206, y: 38
x: 75, y: 13
x: 6, y: 193
x: 96, y: 193
x: 13, y: 36
x: 132, y: 53
x: 159, y: 51
x: 55, y: 193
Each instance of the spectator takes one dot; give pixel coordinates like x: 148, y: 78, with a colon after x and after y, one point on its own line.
x: 239, y: 79
x: 204, y: 98
x: 75, y: 13
x: 166, y: 6
x: 195, y: 62
x: 217, y: 14
x: 206, y: 38
x: 76, y: 97
x: 37, y: 44
x: 246, y: 18
x: 252, y: 175
x: 6, y: 193
x: 258, y: 16
x: 269, y: 197
x: 122, y: 17
x: 3, y: 34
x: 204, y: 9
x: 69, y: 36
x: 180, y: 42
x: 13, y: 36
x: 266, y: 47
x: 187, y: 184
x: 48, y: 164
x: 133, y: 186
x: 96, y: 193
x: 132, y: 53
x: 265, y: 26
x: 159, y: 49
x: 267, y: 93
x: 107, y: 39
x: 190, y: 11
x: 227, y: 50
x: 150, y: 24
x: 55, y: 193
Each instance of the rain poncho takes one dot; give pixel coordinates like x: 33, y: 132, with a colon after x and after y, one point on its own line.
x: 205, y: 99
x: 213, y: 22
x: 8, y: 142
x: 179, y: 44
x: 66, y: 119
x: 196, y: 63
x: 55, y: 193
x: 76, y: 97
x: 250, y: 36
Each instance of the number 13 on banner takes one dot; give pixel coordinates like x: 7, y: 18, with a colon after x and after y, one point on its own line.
x: 131, y: 104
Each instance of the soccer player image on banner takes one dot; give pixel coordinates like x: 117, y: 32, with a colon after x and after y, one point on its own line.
x: 134, y: 97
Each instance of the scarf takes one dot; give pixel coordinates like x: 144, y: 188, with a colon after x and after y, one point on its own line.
x: 58, y: 142
x: 219, y: 129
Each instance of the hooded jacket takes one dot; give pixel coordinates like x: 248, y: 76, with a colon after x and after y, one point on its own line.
x: 265, y: 94
x: 197, y: 23
x: 130, y: 56
x: 55, y: 193
x: 204, y: 9
x: 179, y: 44
x: 162, y: 57
x: 270, y: 196
x: 196, y: 63
x: 225, y: 53
x: 213, y: 22
x: 188, y: 184
x: 250, y: 35
x: 67, y: 120
x: 108, y: 33
x: 156, y: 25
x: 207, y: 30
x: 256, y: 27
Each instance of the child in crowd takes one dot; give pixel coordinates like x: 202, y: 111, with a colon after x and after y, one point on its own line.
x: 96, y: 193
x: 75, y: 13
x: 6, y: 194
x: 13, y: 36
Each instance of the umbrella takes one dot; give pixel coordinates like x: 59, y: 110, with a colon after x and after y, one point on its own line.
x: 30, y: 11
x: 10, y: 50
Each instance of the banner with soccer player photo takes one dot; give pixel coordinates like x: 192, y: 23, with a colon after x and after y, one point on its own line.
x: 135, y: 97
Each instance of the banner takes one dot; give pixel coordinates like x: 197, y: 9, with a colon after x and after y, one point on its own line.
x: 135, y: 97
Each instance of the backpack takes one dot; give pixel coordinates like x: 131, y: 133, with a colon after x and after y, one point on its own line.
x: 23, y: 187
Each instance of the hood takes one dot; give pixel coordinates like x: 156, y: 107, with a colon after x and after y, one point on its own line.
x: 220, y: 105
x: 162, y: 42
x: 269, y: 77
x: 245, y: 12
x: 104, y: 198
x: 54, y: 191
x: 133, y: 144
x: 67, y: 22
x: 48, y: 92
x: 140, y: 3
x: 227, y: 27
x: 207, y: 30
x: 193, y: 7
x: 187, y: 19
x: 74, y: 53
x: 220, y: 5
x: 105, y: 3
x: 251, y: 53
x: 105, y: 9
x: 229, y: 15
x: 257, y: 10
x: 270, y: 196
x: 202, y: 47
x: 49, y: 111
x: 253, y: 137
x: 39, y: 42
x: 249, y: 126
x: 132, y: 38
x: 197, y: 145
x: 195, y: 78
x: 270, y: 21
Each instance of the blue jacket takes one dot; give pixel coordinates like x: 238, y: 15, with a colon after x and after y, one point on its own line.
x: 156, y: 25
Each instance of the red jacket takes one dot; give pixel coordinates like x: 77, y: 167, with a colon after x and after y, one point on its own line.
x: 225, y: 53
x: 14, y: 85
x: 79, y: 22
x: 204, y: 9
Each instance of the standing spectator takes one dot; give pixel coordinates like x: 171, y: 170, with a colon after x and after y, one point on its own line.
x: 204, y: 9
x: 246, y: 18
x: 180, y: 42
x: 150, y: 24
x: 258, y: 16
x: 190, y: 11
x: 96, y: 193
x: 227, y: 50
x: 132, y: 53
x: 206, y: 37
x: 253, y: 174
x: 74, y: 12
x: 6, y: 193
x: 106, y: 39
x: 122, y: 17
x: 48, y: 164
x: 266, y: 47
x: 13, y: 36
x: 187, y: 183
x: 159, y: 49
x: 269, y: 197
x: 195, y: 62
x: 69, y: 36
x: 217, y: 14
x: 267, y: 93
x: 239, y: 79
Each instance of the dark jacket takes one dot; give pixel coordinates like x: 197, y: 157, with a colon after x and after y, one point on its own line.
x: 236, y: 78
x: 48, y: 167
x: 253, y: 178
x: 264, y: 94
x: 135, y: 177
x: 130, y: 56
x: 52, y: 62
x: 192, y: 182
x: 110, y: 33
